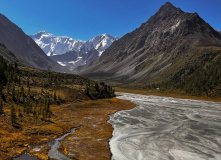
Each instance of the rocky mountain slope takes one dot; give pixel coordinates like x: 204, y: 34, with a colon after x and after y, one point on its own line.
x: 7, y: 55
x: 69, y: 52
x: 171, y: 41
x: 23, y: 47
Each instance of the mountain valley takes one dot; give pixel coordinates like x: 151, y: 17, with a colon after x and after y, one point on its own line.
x: 143, y: 96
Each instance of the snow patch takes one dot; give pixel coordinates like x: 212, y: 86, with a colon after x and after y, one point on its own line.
x: 175, y: 26
x: 62, y: 63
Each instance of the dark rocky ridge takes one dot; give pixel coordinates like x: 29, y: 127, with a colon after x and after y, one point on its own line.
x: 73, y: 56
x: 155, y: 51
x: 69, y: 56
x: 23, y: 47
x: 7, y: 55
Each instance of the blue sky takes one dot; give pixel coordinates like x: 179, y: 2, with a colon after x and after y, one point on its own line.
x: 84, y: 19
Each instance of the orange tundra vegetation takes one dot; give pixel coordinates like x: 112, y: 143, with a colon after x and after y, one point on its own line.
x: 29, y: 99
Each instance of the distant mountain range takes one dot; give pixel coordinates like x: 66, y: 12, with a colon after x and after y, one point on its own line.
x: 53, y: 45
x: 22, y: 48
x: 69, y: 52
x: 171, y: 45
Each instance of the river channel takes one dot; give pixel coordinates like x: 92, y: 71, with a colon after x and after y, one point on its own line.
x: 164, y: 128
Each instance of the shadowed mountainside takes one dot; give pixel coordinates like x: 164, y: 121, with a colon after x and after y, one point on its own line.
x: 23, y: 47
x: 171, y: 41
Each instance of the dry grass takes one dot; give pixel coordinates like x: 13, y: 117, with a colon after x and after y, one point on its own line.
x: 14, y: 141
x: 90, y: 142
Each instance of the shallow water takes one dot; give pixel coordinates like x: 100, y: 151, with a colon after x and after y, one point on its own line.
x: 26, y: 157
x: 54, y: 153
x: 164, y: 128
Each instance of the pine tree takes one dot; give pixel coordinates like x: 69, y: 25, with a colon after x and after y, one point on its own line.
x: 35, y: 114
x: 28, y: 83
x: 42, y: 91
x: 22, y: 91
x: 55, y: 96
x: 19, y: 113
x: 13, y: 115
x: 113, y: 93
x: 2, y: 96
x: 59, y: 98
x: 13, y: 93
x: 15, y: 65
x: 1, y: 107
x: 29, y: 91
x: 48, y: 110
x: 8, y: 87
x: 97, y: 87
x: 87, y: 90
x: 24, y: 108
x: 29, y: 107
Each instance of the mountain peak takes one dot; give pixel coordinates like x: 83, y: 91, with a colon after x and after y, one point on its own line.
x: 43, y: 32
x: 168, y: 4
x: 170, y: 32
x: 105, y: 34
x: 169, y: 8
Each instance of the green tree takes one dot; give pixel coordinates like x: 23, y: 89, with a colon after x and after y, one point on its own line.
x: 1, y: 107
x: 19, y: 113
x: 55, y: 96
x: 13, y: 93
x: 28, y: 85
x: 3, y: 79
x: 22, y: 91
x: 47, y: 109
x: 87, y: 90
x: 97, y: 87
x: 13, y: 115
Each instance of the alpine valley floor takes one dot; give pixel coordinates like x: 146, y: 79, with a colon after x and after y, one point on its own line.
x: 92, y: 133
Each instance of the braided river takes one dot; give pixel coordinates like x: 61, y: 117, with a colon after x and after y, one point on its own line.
x: 166, y: 128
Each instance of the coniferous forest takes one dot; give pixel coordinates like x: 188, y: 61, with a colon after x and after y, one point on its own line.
x: 30, y: 92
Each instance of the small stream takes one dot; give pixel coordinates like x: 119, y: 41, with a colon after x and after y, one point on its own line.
x: 26, y: 157
x: 54, y: 153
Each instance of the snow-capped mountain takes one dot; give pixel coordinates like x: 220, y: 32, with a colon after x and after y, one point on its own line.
x: 72, y: 53
x: 53, y: 45
x: 100, y: 43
